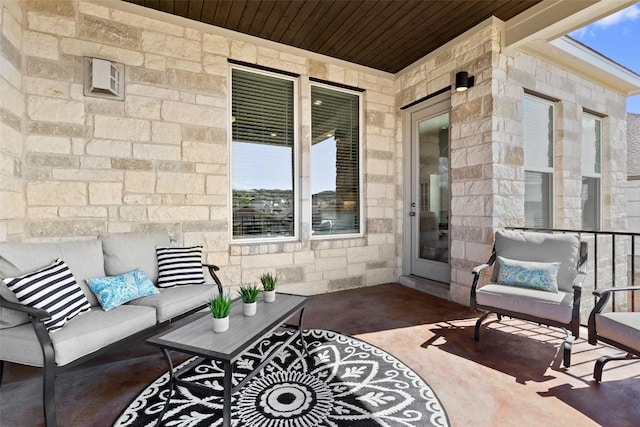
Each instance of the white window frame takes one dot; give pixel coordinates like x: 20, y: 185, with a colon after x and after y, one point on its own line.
x: 597, y: 175
x: 296, y: 158
x: 551, y: 169
x: 362, y: 222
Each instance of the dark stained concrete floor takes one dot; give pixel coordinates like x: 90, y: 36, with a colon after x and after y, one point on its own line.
x: 512, y: 377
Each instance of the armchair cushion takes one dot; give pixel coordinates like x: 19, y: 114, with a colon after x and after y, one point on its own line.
x: 546, y: 305
x: 541, y: 247
x: 621, y: 327
x: 542, y: 276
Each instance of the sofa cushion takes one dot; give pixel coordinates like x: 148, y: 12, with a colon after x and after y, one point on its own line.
x: 171, y: 302
x: 621, y: 327
x: 547, y: 305
x: 113, y: 291
x: 179, y: 266
x: 542, y: 276
x: 81, y: 336
x: 541, y: 247
x: 130, y: 251
x: 84, y: 258
x: 53, y: 289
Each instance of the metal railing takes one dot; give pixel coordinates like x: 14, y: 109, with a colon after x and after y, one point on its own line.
x: 612, y: 262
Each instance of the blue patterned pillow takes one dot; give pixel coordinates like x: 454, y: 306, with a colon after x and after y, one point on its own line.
x: 114, y: 291
x: 542, y: 276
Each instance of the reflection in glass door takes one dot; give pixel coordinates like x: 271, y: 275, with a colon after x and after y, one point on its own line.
x: 429, y: 213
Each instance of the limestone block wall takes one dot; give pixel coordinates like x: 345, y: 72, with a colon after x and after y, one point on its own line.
x: 487, y: 164
x: 12, y: 107
x: 160, y: 158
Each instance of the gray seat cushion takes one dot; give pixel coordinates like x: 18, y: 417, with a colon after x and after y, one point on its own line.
x: 171, y: 302
x: 545, y: 305
x: 621, y: 327
x: 124, y: 252
x: 84, y: 258
x: 541, y: 247
x: 80, y: 336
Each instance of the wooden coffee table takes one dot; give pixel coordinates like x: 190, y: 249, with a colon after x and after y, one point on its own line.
x: 194, y: 335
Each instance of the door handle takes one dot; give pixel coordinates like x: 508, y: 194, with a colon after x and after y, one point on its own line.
x: 412, y: 214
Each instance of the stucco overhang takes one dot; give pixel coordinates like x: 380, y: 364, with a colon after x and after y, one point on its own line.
x: 542, y: 31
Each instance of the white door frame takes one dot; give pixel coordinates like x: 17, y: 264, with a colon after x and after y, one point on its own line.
x: 406, y: 179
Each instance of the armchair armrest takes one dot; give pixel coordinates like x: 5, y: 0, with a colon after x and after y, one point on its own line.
x: 476, y: 271
x: 212, y: 271
x: 605, y: 295
x: 605, y: 292
x: 36, y: 313
x: 579, y: 279
x: 476, y: 275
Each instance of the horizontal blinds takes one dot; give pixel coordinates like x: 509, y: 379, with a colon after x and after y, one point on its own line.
x: 262, y: 109
x: 537, y: 132
x: 335, y: 178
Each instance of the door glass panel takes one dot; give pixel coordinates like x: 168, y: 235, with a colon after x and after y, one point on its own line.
x: 433, y: 191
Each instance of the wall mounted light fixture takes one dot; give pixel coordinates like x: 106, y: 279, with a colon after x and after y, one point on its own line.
x: 464, y: 81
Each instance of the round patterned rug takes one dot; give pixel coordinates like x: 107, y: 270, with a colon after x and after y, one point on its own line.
x: 343, y: 382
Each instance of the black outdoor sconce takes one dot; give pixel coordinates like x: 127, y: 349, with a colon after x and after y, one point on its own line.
x: 463, y: 81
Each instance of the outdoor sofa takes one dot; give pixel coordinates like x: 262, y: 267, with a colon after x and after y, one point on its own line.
x: 25, y: 336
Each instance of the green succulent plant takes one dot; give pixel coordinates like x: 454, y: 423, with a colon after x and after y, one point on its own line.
x: 249, y: 293
x: 220, y: 306
x: 269, y: 281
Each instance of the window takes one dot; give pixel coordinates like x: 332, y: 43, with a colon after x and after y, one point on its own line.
x: 262, y: 155
x: 591, y: 143
x: 335, y: 161
x: 538, y: 140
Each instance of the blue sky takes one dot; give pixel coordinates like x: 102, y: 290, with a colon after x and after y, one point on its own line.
x: 618, y: 37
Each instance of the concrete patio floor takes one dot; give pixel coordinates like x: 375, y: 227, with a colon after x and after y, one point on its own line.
x: 512, y: 377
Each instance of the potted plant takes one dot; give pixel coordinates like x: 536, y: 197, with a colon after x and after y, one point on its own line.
x: 269, y: 282
x: 220, y: 306
x: 249, y: 294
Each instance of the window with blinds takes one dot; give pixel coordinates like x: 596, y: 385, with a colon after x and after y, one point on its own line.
x: 538, y: 145
x: 262, y: 155
x: 335, y: 161
x: 591, y: 162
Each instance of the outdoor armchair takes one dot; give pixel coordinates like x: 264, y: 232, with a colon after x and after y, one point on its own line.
x: 536, y: 277
x: 619, y: 329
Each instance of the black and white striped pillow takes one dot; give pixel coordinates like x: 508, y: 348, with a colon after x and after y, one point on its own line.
x: 179, y: 266
x: 53, y: 289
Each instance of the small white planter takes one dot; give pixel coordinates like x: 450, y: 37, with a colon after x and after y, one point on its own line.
x: 220, y: 325
x: 249, y: 308
x: 269, y: 296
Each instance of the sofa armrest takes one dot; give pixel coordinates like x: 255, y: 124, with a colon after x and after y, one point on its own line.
x: 35, y: 313
x: 212, y: 271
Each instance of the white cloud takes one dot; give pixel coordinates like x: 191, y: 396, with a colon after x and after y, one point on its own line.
x: 629, y: 14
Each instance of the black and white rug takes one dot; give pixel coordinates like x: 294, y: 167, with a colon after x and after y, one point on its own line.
x: 344, y: 382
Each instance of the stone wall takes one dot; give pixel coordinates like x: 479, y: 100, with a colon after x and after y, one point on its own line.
x: 159, y: 159
x: 12, y: 106
x: 487, y: 172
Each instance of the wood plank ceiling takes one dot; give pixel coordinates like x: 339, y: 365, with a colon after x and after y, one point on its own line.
x: 387, y: 35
